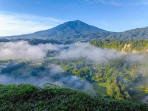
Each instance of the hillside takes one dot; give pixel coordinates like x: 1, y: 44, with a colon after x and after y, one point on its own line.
x: 26, y: 97
x: 135, y: 45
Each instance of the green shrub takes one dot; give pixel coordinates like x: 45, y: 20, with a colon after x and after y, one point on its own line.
x: 26, y: 97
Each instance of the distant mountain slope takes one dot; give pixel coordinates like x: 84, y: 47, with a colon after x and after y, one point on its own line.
x: 130, y: 34
x: 65, y: 30
x: 135, y: 33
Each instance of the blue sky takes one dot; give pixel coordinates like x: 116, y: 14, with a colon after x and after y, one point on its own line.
x: 25, y: 16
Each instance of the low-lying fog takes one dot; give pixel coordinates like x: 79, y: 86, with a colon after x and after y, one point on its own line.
x: 22, y: 50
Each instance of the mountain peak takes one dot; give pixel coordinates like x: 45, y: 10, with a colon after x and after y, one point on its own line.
x: 76, y: 22
x: 77, y: 27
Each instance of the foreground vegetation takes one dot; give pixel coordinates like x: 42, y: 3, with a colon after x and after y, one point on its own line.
x: 25, y: 97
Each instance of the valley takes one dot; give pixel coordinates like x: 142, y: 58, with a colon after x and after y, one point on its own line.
x: 100, y: 72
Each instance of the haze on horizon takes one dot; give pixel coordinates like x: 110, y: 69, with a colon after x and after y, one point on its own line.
x: 110, y: 15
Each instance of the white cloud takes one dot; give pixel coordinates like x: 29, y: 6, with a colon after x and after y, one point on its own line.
x: 119, y: 3
x: 14, y: 24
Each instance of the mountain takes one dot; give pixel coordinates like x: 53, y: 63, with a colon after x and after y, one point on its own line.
x: 79, y: 31
x: 69, y: 29
x: 65, y: 30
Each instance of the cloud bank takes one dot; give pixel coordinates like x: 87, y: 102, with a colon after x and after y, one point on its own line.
x: 23, y: 50
x: 90, y: 53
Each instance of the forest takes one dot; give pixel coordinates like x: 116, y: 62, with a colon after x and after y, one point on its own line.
x: 136, y: 44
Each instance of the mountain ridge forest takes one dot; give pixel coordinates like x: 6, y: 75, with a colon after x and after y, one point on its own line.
x: 134, y: 44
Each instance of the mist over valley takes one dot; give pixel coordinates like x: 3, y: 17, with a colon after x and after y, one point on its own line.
x: 81, y: 66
